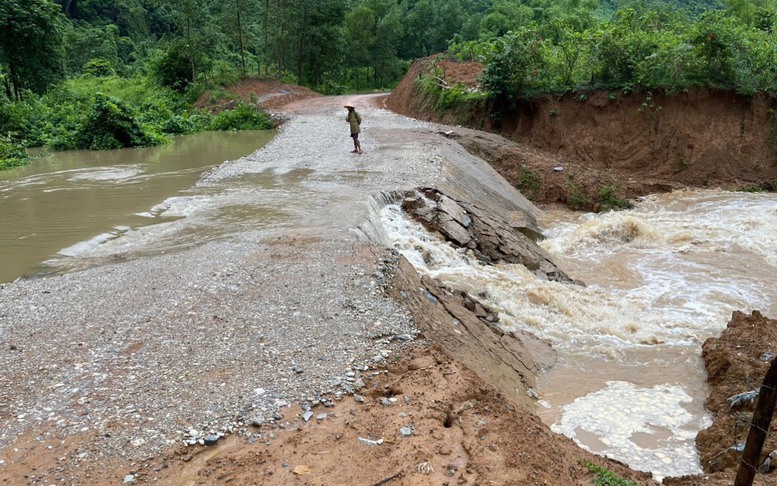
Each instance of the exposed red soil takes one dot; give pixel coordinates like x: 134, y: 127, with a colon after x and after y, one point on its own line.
x: 267, y: 93
x: 637, y: 143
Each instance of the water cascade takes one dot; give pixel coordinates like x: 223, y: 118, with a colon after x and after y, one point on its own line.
x: 661, y: 278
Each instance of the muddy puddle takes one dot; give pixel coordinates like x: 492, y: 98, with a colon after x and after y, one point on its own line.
x: 661, y: 279
x: 66, y: 204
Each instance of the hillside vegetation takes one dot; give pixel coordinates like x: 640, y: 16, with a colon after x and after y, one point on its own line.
x: 143, y: 63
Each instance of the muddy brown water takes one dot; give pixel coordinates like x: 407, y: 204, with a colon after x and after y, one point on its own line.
x: 661, y: 278
x: 58, y: 203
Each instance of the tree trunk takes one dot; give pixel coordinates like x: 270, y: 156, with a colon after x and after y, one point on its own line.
x: 302, y: 35
x: 280, y: 52
x: 17, y: 92
x: 190, y: 40
x: 266, y: 44
x: 240, y: 39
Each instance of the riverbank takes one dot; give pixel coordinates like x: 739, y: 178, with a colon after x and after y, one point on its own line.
x: 596, y: 150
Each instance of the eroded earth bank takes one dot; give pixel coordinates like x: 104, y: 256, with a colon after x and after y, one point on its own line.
x: 303, y: 351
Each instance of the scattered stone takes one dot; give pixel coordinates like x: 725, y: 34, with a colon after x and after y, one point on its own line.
x: 301, y: 470
x: 385, y: 401
x: 211, y: 439
x: 129, y: 479
x: 406, y: 431
x: 358, y: 398
x: 370, y: 442
x: 322, y: 416
x: 307, y: 415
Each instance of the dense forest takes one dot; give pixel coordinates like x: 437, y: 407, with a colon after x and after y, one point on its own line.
x: 113, y: 73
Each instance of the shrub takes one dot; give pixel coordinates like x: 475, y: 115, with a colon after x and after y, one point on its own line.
x: 242, y: 117
x: 578, y: 196
x: 12, y: 154
x: 529, y: 183
x: 110, y: 124
x: 608, y: 199
x: 98, y: 68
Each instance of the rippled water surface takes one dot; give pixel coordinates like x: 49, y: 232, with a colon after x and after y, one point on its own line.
x: 65, y: 203
x: 660, y: 280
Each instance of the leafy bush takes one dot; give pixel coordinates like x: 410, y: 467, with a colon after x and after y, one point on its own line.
x: 110, y: 124
x: 608, y: 199
x: 98, y: 68
x: 331, y: 87
x: 515, y: 66
x: 12, y: 154
x: 529, y: 183
x: 242, y: 117
x: 578, y: 196
x: 641, y: 47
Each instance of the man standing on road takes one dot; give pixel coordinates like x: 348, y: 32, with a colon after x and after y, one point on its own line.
x: 355, y: 120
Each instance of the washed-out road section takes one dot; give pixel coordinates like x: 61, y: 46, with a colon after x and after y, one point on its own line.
x: 114, y: 363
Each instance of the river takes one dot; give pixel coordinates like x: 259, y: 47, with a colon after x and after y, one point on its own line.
x: 64, y: 204
x: 661, y: 278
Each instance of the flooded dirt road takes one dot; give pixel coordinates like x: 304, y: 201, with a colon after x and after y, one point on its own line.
x: 259, y: 290
x: 65, y: 203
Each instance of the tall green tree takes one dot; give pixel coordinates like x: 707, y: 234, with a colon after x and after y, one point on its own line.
x: 30, y: 45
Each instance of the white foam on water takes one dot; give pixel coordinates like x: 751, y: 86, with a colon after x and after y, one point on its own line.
x: 83, y: 247
x: 669, y: 272
x: 688, y: 221
x: 595, y: 320
x: 111, y: 173
x: 621, y: 410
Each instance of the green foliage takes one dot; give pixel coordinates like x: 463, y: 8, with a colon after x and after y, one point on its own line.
x: 111, y: 124
x: 605, y: 477
x: 647, y: 47
x: 242, y: 117
x: 85, y: 43
x: 529, y: 183
x: 12, y: 154
x: 99, y: 68
x: 515, y: 66
x: 577, y: 198
x: 608, y: 200
x: 30, y: 45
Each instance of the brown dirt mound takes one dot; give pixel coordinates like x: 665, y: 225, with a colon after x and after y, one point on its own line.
x: 268, y: 94
x: 436, y: 424
x: 638, y: 143
x: 736, y: 362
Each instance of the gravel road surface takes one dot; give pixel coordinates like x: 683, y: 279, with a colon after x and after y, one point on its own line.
x: 113, y: 363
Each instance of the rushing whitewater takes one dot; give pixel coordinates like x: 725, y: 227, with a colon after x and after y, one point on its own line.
x: 660, y: 280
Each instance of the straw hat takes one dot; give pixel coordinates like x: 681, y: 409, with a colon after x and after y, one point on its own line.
x: 349, y: 106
